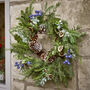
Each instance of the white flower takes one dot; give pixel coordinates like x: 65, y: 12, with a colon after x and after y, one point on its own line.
x: 63, y: 31
x: 71, y: 51
x: 67, y: 34
x: 58, y: 27
x: 60, y: 21
x: 73, y: 55
x: 35, y: 21
x: 32, y: 24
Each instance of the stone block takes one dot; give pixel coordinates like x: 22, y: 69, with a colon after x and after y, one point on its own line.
x: 21, y: 0
x: 18, y: 86
x: 58, y: 89
x: 17, y: 0
x: 34, y: 88
x: 84, y: 45
x: 84, y: 74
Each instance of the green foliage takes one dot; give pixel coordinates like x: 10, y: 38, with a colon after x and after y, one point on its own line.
x: 57, y: 29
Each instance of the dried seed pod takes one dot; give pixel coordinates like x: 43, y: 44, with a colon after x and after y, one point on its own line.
x: 61, y: 54
x: 50, y: 76
x: 60, y: 48
x: 61, y: 34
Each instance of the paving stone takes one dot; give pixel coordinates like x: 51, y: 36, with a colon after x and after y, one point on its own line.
x: 34, y: 88
x: 84, y: 45
x: 84, y: 74
x: 16, y: 0
x: 18, y: 86
x: 20, y: 0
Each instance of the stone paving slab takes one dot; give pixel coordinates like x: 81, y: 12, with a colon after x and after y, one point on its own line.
x: 84, y: 45
x: 34, y: 88
x: 18, y: 86
x: 84, y: 74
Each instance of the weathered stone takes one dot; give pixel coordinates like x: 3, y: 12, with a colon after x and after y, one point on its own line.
x: 84, y: 74
x: 84, y: 45
x: 29, y: 80
x: 17, y: 0
x: 34, y: 88
x: 58, y: 89
x: 20, y: 0
x: 18, y: 86
x: 84, y: 15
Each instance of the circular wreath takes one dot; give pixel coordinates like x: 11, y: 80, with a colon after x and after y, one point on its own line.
x: 42, y: 65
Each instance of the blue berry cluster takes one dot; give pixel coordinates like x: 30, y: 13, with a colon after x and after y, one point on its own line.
x: 67, y: 57
x: 37, y: 13
x: 20, y: 65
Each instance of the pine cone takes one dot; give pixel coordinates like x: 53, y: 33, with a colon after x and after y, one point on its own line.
x: 34, y: 38
x: 35, y: 46
x: 52, y: 58
x: 43, y: 56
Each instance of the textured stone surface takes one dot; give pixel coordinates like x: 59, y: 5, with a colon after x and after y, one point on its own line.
x: 18, y: 86
x: 16, y: 0
x: 34, y: 88
x: 84, y: 45
x: 21, y: 0
x: 84, y: 74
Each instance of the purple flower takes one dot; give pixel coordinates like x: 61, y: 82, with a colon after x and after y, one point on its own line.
x: 66, y: 62
x: 28, y: 62
x: 38, y: 13
x: 16, y: 64
x: 22, y: 65
x: 68, y: 51
x: 31, y: 16
x: 67, y: 56
x: 18, y: 67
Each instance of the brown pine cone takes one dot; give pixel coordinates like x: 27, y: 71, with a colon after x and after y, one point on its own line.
x: 35, y: 46
x: 43, y: 56
x: 52, y: 58
x: 34, y: 38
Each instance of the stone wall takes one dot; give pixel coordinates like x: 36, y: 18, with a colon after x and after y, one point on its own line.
x: 76, y: 12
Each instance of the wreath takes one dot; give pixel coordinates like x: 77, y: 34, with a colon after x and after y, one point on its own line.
x: 33, y: 60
